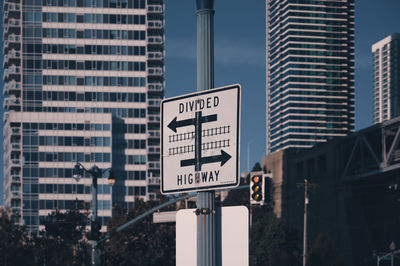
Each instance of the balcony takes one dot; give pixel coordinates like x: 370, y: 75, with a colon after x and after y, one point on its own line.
x: 153, y: 103
x: 14, y: 38
x: 11, y: 87
x: 155, y: 71
x: 154, y: 24
x: 10, y: 57
x: 154, y: 181
x: 15, y: 194
x: 15, y: 131
x: 155, y: 55
x: 16, y: 210
x: 153, y: 133
x: 11, y: 10
x: 6, y: 115
x: 12, y: 70
x: 154, y: 166
x: 155, y: 86
x: 11, y: 28
x: 13, y: 22
x: 16, y: 179
x: 153, y: 149
x: 155, y: 40
x: 15, y: 163
x: 153, y: 118
x: 155, y: 9
x: 11, y: 103
x: 15, y: 146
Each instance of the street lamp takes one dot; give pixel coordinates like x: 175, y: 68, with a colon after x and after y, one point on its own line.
x: 95, y: 172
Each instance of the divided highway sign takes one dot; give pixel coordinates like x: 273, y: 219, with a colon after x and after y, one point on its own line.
x: 200, y: 140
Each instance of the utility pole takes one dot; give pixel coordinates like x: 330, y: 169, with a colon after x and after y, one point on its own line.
x: 306, y: 201
x: 305, y: 223
x: 206, y: 234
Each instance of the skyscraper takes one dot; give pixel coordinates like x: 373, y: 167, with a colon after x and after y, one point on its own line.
x: 82, y: 82
x: 386, y: 54
x: 310, y: 71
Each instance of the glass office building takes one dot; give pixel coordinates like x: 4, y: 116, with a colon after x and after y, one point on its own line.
x: 386, y: 63
x: 83, y: 82
x: 310, y: 72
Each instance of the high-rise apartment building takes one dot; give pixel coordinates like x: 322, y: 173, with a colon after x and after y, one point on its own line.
x: 83, y: 80
x: 310, y: 71
x: 386, y: 78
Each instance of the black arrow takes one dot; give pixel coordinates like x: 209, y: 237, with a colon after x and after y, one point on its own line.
x: 223, y: 158
x: 182, y: 123
x: 192, y: 121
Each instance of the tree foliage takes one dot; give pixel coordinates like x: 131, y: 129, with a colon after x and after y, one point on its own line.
x: 272, y: 241
x: 239, y: 196
x: 15, y: 245
x: 144, y: 243
x: 256, y: 167
x: 323, y: 253
x: 63, y: 242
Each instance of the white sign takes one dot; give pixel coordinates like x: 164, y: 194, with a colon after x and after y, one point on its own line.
x: 232, y: 239
x: 164, y: 217
x: 200, y: 140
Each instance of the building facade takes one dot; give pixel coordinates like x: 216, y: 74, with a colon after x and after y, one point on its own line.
x: 83, y: 82
x: 310, y: 72
x: 353, y: 192
x: 386, y: 62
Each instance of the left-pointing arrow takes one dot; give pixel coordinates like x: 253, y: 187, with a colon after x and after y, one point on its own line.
x: 182, y: 123
x: 175, y: 123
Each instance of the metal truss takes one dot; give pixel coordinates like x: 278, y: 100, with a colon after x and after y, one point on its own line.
x: 371, y: 151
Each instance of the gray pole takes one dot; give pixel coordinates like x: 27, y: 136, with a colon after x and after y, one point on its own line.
x: 206, y: 238
x: 305, y: 223
x: 94, y: 173
x: 205, y: 44
x: 392, y: 260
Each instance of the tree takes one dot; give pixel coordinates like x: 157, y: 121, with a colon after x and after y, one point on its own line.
x: 272, y: 242
x: 15, y: 248
x: 256, y: 167
x: 323, y: 253
x: 63, y: 242
x: 144, y: 243
x: 239, y: 196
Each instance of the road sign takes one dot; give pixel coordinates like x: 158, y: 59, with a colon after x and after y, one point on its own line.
x: 232, y: 236
x: 164, y: 217
x: 200, y: 140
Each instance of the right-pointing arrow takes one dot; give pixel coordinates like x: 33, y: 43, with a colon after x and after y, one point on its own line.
x: 223, y: 158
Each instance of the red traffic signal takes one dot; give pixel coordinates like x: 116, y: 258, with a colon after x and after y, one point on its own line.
x: 256, y: 188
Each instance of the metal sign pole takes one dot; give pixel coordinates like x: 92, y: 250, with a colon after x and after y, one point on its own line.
x: 206, y: 237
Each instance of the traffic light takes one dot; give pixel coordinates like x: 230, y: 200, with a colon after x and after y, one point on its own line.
x: 267, y: 178
x: 95, y: 227
x: 256, y: 188
x: 260, y: 188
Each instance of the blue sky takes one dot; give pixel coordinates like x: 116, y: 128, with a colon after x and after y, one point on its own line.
x: 239, y: 31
